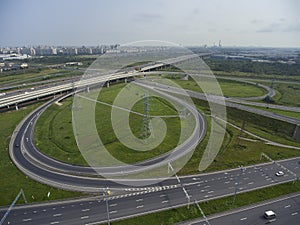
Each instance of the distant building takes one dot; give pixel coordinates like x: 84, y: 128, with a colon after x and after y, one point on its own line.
x: 59, y: 50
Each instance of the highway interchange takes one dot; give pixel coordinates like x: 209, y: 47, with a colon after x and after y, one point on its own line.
x: 128, y: 201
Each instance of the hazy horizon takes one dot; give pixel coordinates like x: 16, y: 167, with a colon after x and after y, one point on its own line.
x: 237, y: 23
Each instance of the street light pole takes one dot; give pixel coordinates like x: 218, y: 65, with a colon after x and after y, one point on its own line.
x: 237, y: 184
x: 106, y: 193
x: 206, y: 220
x: 170, y: 167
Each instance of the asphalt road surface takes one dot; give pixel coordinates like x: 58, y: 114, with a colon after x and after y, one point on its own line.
x: 138, y: 201
x: 287, y: 211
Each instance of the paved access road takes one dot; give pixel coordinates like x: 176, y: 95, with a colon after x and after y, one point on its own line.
x: 287, y: 211
x: 138, y: 201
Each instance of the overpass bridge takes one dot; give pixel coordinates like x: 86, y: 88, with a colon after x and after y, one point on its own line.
x: 18, y: 98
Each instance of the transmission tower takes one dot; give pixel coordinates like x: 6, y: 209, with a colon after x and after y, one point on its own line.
x: 241, y: 132
x: 272, y: 83
x: 146, y: 118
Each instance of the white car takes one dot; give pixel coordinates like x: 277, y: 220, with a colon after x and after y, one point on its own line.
x: 279, y: 173
x: 270, y: 214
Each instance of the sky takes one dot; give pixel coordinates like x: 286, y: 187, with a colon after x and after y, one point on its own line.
x: 268, y: 23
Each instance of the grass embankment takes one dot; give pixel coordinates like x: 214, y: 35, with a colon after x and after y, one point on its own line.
x: 172, y: 216
x: 229, y: 88
x: 235, y: 151
x: 289, y: 94
x: 11, y: 178
x: 54, y: 132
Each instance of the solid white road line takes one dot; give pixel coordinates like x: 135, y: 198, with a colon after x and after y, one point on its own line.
x: 84, y: 217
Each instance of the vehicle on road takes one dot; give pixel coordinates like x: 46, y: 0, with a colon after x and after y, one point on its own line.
x: 279, y: 173
x: 269, y: 214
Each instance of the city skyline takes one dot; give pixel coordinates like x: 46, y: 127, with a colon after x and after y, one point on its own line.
x: 189, y: 23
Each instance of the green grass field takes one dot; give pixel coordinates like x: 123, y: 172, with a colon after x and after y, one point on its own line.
x: 289, y: 94
x: 54, y: 131
x: 11, y: 178
x: 228, y: 87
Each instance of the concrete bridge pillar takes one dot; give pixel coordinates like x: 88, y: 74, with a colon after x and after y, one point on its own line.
x: 17, y: 108
x: 297, y: 132
x: 88, y: 89
x: 107, y: 84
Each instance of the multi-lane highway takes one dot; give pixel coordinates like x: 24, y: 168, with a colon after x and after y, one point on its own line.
x: 169, y: 194
x: 287, y: 210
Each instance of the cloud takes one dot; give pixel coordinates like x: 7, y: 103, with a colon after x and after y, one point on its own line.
x: 273, y: 27
x: 256, y: 21
x: 280, y: 26
x: 147, y: 17
x: 276, y: 26
x: 292, y: 28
